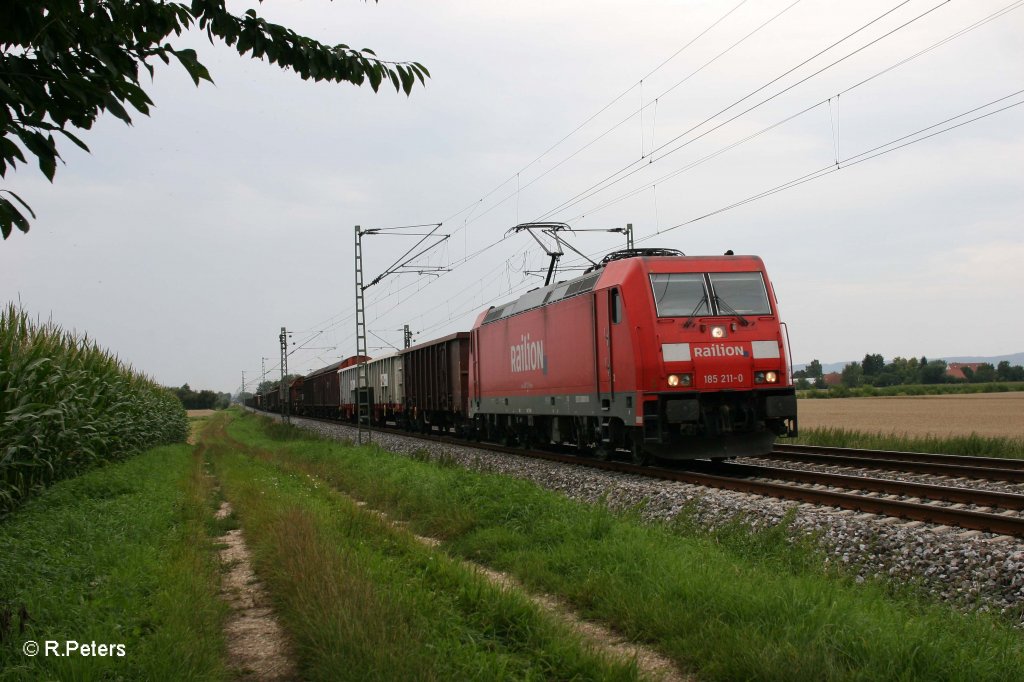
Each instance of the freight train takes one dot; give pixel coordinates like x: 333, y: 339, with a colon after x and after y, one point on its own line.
x: 650, y: 354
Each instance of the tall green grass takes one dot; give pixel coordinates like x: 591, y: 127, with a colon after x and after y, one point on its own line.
x: 362, y: 600
x: 971, y: 445
x: 729, y: 606
x: 66, y: 405
x: 119, y: 555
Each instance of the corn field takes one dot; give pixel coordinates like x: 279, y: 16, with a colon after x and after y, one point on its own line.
x: 66, y: 406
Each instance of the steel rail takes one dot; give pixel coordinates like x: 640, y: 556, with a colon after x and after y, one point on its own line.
x: 915, y: 511
x: 939, y: 493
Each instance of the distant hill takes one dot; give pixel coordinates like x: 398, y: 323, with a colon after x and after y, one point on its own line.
x: 1014, y: 359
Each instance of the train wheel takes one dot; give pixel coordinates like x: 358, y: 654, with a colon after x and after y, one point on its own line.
x: 502, y: 435
x: 638, y: 455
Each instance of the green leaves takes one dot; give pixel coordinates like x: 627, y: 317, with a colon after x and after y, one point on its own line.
x: 190, y: 60
x: 10, y: 216
x: 63, y: 64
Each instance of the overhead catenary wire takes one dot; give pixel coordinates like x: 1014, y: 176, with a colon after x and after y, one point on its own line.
x: 867, y: 155
x: 478, y: 205
x: 633, y: 114
x: 693, y: 164
x: 631, y: 168
x: 475, y: 205
x: 600, y: 111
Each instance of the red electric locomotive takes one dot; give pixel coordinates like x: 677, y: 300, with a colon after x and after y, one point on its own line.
x: 653, y: 352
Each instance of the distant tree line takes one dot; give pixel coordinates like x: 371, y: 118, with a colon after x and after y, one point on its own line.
x: 201, y: 400
x: 873, y: 370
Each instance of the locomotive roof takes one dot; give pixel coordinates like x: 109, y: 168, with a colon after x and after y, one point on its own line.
x: 616, y: 268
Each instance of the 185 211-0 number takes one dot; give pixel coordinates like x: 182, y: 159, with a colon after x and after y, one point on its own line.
x: 723, y: 378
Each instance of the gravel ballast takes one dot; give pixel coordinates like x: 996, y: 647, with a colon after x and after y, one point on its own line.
x: 969, y: 569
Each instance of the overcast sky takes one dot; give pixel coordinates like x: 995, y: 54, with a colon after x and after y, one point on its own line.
x: 185, y: 242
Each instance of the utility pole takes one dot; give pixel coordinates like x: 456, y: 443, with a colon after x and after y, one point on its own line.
x: 362, y: 394
x: 284, y: 372
x: 402, y: 265
x: 407, y: 336
x: 241, y: 397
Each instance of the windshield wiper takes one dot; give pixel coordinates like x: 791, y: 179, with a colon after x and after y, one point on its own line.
x: 722, y: 305
x: 702, y: 302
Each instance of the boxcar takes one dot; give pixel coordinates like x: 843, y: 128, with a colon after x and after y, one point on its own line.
x: 295, y: 395
x: 320, y: 394
x: 272, y: 400
x: 386, y: 385
x: 384, y: 388
x: 436, y: 383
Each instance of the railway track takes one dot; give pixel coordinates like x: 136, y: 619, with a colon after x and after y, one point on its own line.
x: 992, y: 512
x: 984, y: 468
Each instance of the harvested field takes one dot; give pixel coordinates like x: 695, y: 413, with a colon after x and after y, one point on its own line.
x: 201, y: 413
x: 987, y: 414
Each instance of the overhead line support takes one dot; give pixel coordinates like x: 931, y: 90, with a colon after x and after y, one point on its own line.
x: 283, y: 387
x: 362, y: 392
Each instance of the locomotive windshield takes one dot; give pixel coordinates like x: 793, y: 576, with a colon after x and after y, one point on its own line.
x: 731, y: 293
x: 680, y: 295
x: 740, y: 292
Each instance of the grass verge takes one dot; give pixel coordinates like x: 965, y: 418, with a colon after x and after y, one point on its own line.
x: 972, y: 445
x: 733, y: 605
x: 365, y: 601
x: 119, y: 555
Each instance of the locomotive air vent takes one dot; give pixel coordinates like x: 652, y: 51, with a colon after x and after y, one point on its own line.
x: 493, y: 314
x: 581, y: 285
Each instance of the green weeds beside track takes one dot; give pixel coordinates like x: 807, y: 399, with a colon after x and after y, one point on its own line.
x: 125, y: 554
x: 119, y: 555
x: 732, y: 605
x: 971, y: 445
x: 364, y: 600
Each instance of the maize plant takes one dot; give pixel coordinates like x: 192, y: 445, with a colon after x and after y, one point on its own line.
x: 67, y: 405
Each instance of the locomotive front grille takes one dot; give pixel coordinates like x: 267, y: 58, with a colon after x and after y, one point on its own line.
x: 708, y: 414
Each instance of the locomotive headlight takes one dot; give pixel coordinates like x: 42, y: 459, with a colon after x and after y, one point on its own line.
x: 771, y: 377
x: 673, y: 380
x: 718, y: 332
x: 758, y: 377
x: 684, y: 380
